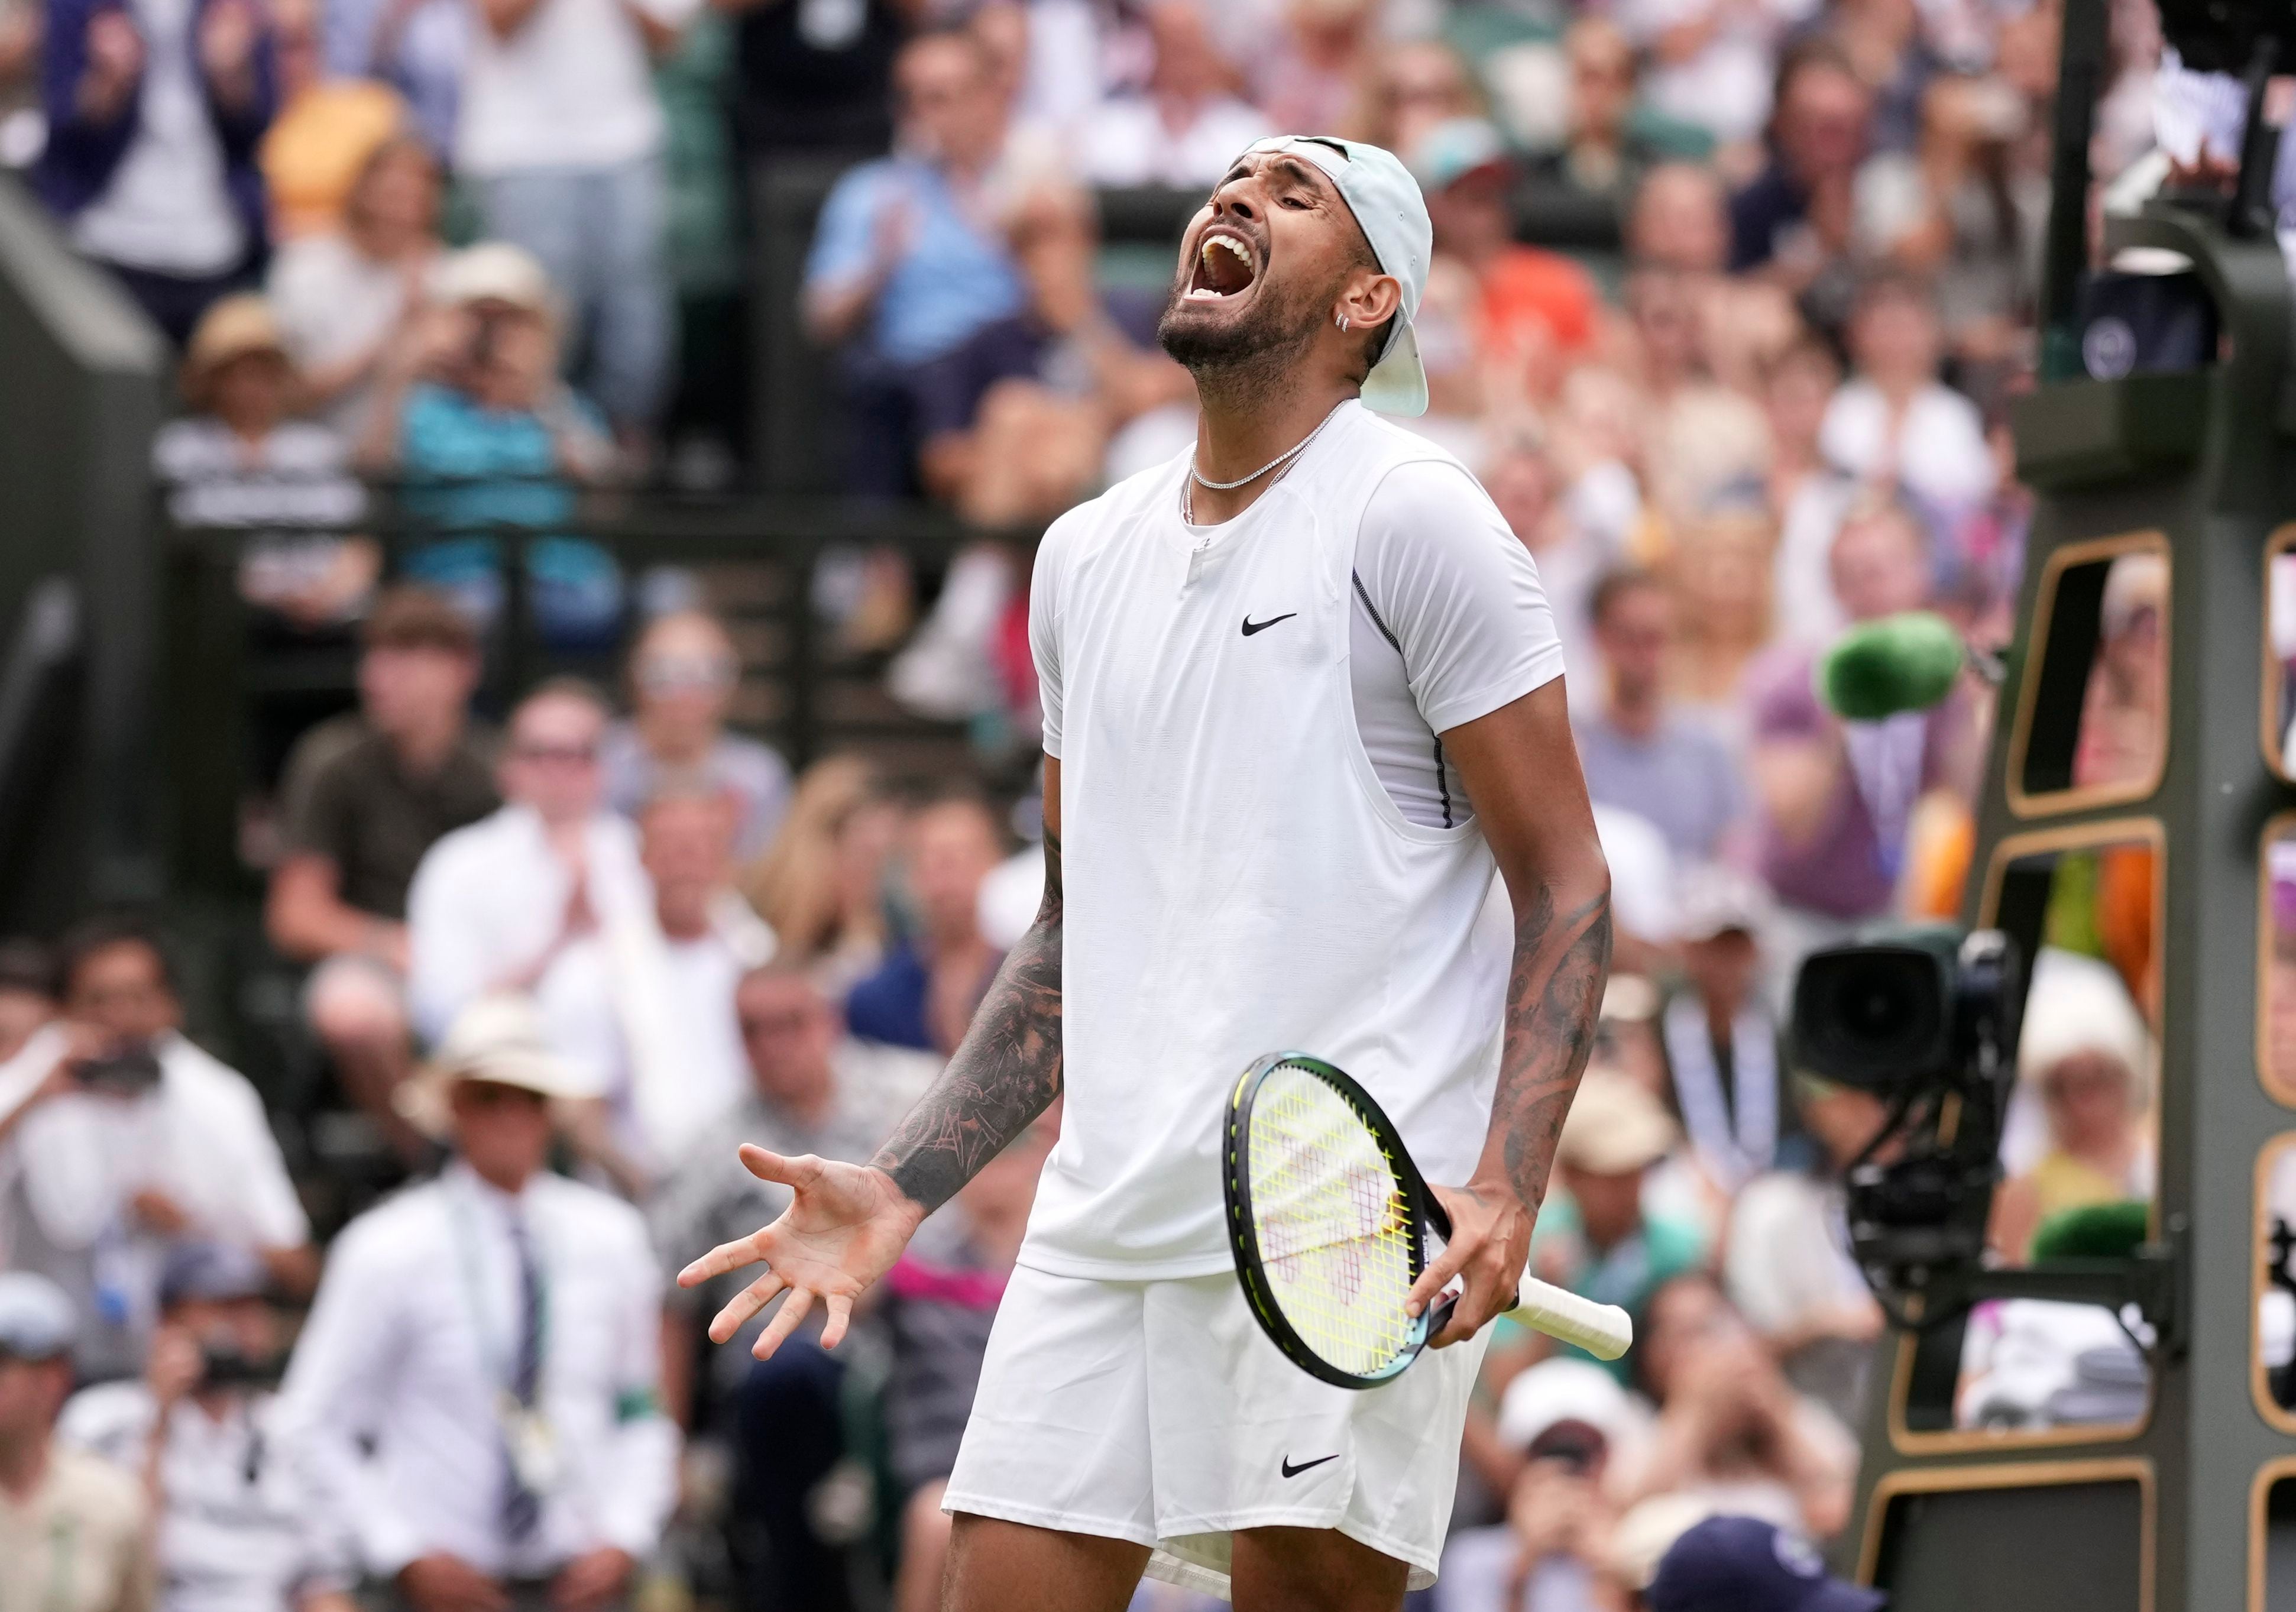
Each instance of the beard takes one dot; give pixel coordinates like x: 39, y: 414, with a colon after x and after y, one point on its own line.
x: 1277, y: 327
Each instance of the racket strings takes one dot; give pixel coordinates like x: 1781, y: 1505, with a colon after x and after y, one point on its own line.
x: 1335, y: 1225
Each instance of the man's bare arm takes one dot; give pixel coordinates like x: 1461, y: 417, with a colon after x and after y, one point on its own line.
x: 1007, y: 1069
x: 1521, y: 769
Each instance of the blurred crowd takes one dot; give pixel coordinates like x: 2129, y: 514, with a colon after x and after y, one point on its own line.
x: 559, y: 961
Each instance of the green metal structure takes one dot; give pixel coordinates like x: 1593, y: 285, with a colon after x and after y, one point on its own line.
x: 2186, y: 1510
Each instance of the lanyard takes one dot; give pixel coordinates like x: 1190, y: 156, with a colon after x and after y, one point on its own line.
x: 501, y: 1363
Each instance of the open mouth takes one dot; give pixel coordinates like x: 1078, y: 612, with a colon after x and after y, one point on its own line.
x: 1227, y: 263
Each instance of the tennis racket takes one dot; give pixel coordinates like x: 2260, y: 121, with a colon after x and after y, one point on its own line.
x: 1331, y: 1222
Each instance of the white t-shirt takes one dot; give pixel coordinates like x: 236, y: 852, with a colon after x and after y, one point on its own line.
x: 572, y: 87
x: 1238, y: 877
x: 166, y: 208
x: 1938, y: 449
x: 1126, y: 142
x: 333, y: 303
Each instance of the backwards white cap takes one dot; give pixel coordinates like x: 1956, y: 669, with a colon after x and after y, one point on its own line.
x: 1385, y: 200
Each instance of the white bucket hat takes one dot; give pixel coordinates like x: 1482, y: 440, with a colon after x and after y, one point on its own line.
x: 498, y: 1038
x: 1385, y: 200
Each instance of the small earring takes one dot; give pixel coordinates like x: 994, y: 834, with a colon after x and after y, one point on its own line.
x: 1342, y: 320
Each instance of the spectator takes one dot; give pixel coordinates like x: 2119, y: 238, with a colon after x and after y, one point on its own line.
x: 1721, y: 1042
x: 1895, y: 423
x: 1601, y: 1242
x: 1789, y: 1268
x: 1728, y: 1562
x: 1834, y: 800
x: 237, y: 459
x: 472, y: 1400
x: 1711, y: 61
x: 74, y: 1535
x: 1807, y: 495
x: 1721, y: 564
x: 820, y: 885
x: 420, y: 48
x: 646, y: 1004
x: 941, y: 1297
x: 2086, y: 1053
x: 367, y: 796
x: 1533, y: 301
x: 906, y: 263
x: 235, y: 1531
x: 1016, y: 421
x: 1680, y: 221
x: 1186, y: 125
x: 1794, y: 220
x: 154, y: 111
x: 813, y: 1090
x: 1308, y: 80
x: 493, y: 904
x: 1415, y: 84
x: 344, y: 295
x: 1558, y: 1424
x: 811, y: 81
x: 134, y: 1139
x: 470, y: 397
x: 923, y: 993
x: 1730, y: 1432
x: 560, y: 136
x: 28, y: 983
x: 1603, y: 155
x: 1638, y: 753
x: 683, y: 672
x: 326, y: 130
x: 2124, y: 709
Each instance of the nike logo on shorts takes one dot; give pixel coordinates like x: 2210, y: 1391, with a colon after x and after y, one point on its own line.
x: 1251, y: 626
x: 1289, y: 1469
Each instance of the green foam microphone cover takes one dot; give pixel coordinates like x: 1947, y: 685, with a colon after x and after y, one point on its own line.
x: 1903, y: 662
x: 2097, y: 1231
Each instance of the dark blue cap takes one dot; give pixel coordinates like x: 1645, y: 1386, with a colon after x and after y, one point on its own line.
x: 1738, y: 1564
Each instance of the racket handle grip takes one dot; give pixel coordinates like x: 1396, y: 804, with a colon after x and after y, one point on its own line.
x: 1602, y: 1330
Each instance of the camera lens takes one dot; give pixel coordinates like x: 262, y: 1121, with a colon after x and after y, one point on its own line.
x: 1874, y: 1009
x: 1872, y: 1015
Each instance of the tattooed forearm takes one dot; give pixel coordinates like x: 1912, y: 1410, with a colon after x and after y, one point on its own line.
x: 1004, y: 1074
x: 1554, y: 994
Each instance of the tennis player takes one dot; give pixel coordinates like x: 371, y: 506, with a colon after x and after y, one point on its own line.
x: 1302, y: 694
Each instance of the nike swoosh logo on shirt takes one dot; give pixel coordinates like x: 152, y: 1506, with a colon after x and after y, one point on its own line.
x: 1289, y: 1469
x: 1251, y: 627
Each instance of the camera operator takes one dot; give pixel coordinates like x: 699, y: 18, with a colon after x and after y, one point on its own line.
x: 118, y: 1137
x: 235, y: 1533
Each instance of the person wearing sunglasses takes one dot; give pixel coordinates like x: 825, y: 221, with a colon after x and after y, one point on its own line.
x: 684, y: 671
x: 495, y: 904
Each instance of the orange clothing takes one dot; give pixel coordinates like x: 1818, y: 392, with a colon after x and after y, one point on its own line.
x: 315, y: 147
x: 1525, y: 286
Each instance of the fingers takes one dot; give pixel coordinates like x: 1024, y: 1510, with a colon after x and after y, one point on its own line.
x: 784, y: 1322
x: 799, y: 1172
x: 744, y: 1304
x: 726, y: 1256
x: 1439, y: 1271
x: 839, y: 1309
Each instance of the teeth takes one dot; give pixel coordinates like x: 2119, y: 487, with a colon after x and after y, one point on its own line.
x: 1235, y: 249
x: 1203, y: 293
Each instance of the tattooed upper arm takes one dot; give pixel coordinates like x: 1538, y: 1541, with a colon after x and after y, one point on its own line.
x: 1004, y: 1074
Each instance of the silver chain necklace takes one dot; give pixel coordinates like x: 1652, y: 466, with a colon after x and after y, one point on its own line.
x: 1277, y: 463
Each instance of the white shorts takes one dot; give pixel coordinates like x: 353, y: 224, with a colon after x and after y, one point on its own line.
x: 1159, y: 1412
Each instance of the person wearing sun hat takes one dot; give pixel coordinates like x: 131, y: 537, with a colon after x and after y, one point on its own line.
x: 472, y: 1399
x: 1302, y: 714
x: 240, y: 458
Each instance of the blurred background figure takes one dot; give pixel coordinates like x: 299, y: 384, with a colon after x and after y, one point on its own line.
x: 474, y: 1399
x: 75, y: 1533
x: 367, y: 796
x: 820, y: 885
x: 27, y: 1000
x: 234, y: 1524
x: 126, y: 1138
x: 923, y: 993
x: 1186, y: 125
x: 683, y: 672
x: 1743, y: 1561
x: 1722, y: 1044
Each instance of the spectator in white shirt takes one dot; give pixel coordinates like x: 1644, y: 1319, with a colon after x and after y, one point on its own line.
x: 27, y: 982
x: 647, y: 1005
x: 562, y: 137
x: 493, y: 905
x: 474, y: 1399
x: 1895, y: 422
x: 134, y: 1138
x: 236, y: 1532
x: 1186, y: 124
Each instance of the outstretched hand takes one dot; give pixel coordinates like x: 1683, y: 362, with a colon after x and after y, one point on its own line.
x: 1489, y: 1245
x: 845, y: 1225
